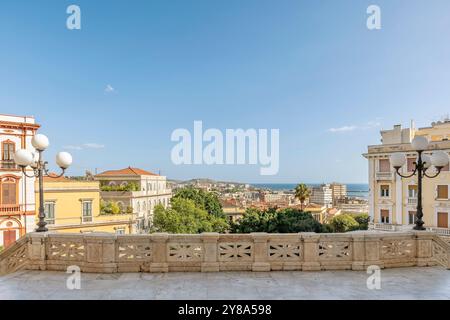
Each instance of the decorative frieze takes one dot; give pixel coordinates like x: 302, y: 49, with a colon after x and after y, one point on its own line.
x: 212, y: 252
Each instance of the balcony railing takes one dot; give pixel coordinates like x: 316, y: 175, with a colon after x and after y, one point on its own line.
x: 9, y: 208
x: 384, y: 176
x: 441, y: 231
x: 382, y: 226
x: 7, y: 164
x: 412, y: 201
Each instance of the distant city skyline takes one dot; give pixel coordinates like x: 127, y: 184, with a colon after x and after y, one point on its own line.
x: 113, y: 92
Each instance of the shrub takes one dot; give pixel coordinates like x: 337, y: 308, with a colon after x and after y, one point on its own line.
x: 344, y: 223
x: 362, y: 220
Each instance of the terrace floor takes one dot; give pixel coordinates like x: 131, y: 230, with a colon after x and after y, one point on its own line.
x: 401, y: 283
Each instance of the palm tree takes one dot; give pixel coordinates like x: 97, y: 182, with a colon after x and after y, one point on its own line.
x: 302, y: 193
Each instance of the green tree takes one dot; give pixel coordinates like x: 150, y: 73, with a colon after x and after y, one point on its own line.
x: 184, y: 216
x: 205, y: 200
x: 363, y: 221
x: 302, y: 193
x: 278, y: 221
x: 344, y: 223
x: 115, y: 208
x: 109, y: 207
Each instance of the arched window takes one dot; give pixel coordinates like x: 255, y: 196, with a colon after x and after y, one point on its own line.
x: 144, y: 206
x: 9, y: 191
x: 138, y: 207
x: 120, y: 204
x: 8, y: 149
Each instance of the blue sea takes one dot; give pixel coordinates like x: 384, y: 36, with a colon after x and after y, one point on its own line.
x: 360, y: 190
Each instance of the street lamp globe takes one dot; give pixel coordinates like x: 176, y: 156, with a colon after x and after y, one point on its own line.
x: 23, y: 157
x: 439, y: 158
x: 420, y: 143
x: 63, y: 160
x: 398, y: 160
x: 35, y: 162
x: 40, y: 142
x: 427, y: 161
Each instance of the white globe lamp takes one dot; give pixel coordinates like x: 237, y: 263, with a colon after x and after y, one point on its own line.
x: 23, y: 157
x: 439, y: 159
x: 40, y: 142
x: 63, y: 160
x: 420, y: 143
x: 427, y: 161
x: 398, y: 160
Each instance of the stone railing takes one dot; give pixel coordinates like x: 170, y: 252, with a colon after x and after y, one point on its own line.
x: 212, y: 252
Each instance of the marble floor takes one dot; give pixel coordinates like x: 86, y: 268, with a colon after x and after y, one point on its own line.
x: 401, y: 283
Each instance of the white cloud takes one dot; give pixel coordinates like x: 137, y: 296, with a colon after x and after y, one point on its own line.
x: 90, y: 145
x: 72, y: 147
x: 343, y: 129
x: 109, y: 89
x: 348, y: 128
x: 93, y: 145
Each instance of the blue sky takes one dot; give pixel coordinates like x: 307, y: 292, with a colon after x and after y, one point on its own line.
x: 303, y: 67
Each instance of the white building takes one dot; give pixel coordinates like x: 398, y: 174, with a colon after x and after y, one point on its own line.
x: 393, y: 199
x: 135, y: 190
x: 322, y: 195
x: 17, y: 203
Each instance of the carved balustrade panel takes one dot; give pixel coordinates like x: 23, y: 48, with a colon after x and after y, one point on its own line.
x: 285, y: 251
x: 18, y: 259
x: 440, y: 254
x: 184, y: 252
x: 235, y: 251
x: 335, y: 250
x: 129, y: 251
x: 394, y: 249
x: 66, y: 250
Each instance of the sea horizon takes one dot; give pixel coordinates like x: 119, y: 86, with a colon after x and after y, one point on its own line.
x: 359, y: 190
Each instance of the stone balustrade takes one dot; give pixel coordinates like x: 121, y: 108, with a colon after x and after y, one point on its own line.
x: 213, y: 252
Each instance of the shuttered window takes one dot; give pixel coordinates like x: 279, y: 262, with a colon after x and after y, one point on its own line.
x: 442, y: 191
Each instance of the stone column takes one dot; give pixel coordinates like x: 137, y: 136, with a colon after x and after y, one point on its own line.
x: 260, y: 252
x: 358, y: 251
x: 210, y: 261
x: 100, y: 253
x: 424, y: 247
x: 372, y: 246
x: 310, y: 251
x: 37, y: 250
x: 159, y: 252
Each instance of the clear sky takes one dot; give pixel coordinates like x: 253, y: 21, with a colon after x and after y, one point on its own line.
x: 113, y: 92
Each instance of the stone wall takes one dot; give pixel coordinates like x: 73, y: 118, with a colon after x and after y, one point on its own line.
x: 212, y: 252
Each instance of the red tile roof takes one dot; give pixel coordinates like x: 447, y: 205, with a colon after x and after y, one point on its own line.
x: 53, y: 177
x: 127, y: 172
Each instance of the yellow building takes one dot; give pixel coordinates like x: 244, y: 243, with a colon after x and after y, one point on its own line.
x: 74, y: 206
x: 392, y: 199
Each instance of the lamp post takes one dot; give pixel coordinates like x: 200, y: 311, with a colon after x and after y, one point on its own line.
x: 438, y: 159
x: 24, y: 158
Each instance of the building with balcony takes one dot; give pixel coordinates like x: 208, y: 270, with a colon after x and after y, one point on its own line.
x: 393, y: 199
x: 17, y: 205
x: 136, y: 191
x: 338, y: 192
x: 322, y: 195
x: 74, y: 206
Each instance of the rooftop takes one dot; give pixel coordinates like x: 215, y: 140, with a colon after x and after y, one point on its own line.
x: 126, y: 172
x: 397, y: 283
